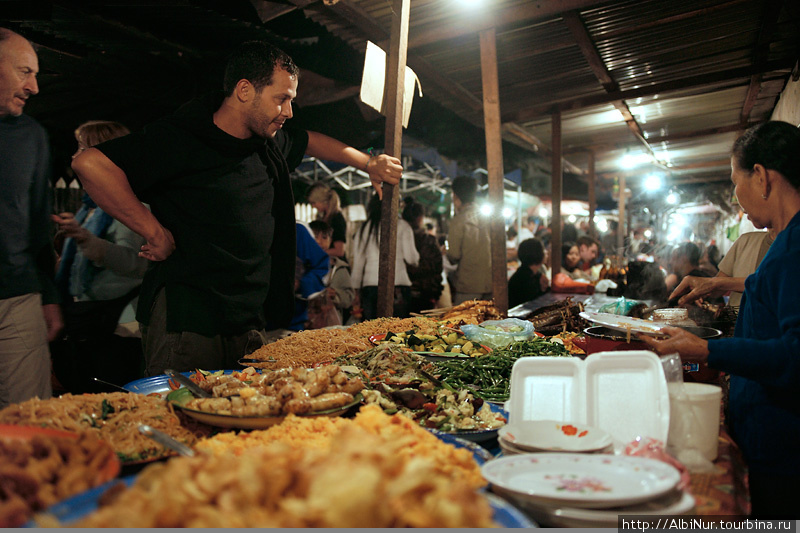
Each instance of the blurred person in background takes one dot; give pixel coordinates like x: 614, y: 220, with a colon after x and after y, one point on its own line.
x: 571, y: 279
x: 311, y: 267
x: 426, y: 276
x: 588, y: 249
x: 99, y: 275
x: 684, y: 261
x: 469, y: 248
x: 367, y: 260
x: 326, y: 201
x: 709, y: 259
x: 29, y: 311
x: 763, y: 409
x: 340, y: 293
x: 528, y: 282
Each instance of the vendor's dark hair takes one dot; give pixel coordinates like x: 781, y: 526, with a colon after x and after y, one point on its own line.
x: 412, y: 211
x: 255, y: 61
x: 531, y: 252
x: 465, y: 187
x: 565, y: 248
x: 773, y: 144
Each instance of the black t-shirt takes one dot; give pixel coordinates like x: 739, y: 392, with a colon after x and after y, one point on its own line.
x: 524, y: 286
x: 228, y: 204
x: 339, y: 227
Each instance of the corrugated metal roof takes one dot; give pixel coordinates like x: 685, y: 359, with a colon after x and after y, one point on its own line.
x: 688, y: 62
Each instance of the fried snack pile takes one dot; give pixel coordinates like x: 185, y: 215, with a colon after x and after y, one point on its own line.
x: 37, y: 473
x: 280, y: 392
x: 471, y: 312
x: 397, y: 431
x: 361, y: 480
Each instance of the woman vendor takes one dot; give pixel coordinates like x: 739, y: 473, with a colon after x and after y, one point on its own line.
x: 763, y: 357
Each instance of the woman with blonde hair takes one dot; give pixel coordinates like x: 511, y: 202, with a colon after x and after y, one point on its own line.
x: 326, y: 201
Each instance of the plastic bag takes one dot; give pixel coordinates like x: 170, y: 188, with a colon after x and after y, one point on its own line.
x: 507, y: 331
x: 654, y: 449
x: 619, y: 307
x: 684, y: 425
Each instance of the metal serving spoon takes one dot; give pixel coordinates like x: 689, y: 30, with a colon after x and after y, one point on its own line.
x: 165, y: 440
x: 188, y: 383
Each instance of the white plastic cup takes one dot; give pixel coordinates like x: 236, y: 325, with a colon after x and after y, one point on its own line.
x: 703, y: 401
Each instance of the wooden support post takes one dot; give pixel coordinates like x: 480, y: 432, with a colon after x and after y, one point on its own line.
x: 556, y: 182
x: 622, y: 229
x: 592, y: 198
x: 494, y: 163
x: 393, y: 96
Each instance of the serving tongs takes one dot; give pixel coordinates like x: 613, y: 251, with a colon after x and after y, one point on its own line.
x: 193, y: 387
x: 165, y: 440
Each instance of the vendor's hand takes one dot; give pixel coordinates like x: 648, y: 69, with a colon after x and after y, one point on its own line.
x: 159, y: 247
x: 70, y: 227
x: 384, y: 169
x: 690, y: 347
x: 695, y: 288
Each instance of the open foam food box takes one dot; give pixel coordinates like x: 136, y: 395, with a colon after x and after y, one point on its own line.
x: 623, y: 393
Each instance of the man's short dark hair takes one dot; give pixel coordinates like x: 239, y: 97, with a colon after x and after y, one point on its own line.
x: 320, y: 227
x: 256, y: 62
x: 585, y: 240
x: 531, y: 252
x: 690, y: 251
x: 465, y: 187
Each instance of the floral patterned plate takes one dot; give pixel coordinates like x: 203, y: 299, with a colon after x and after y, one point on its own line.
x: 581, y: 480
x: 551, y: 435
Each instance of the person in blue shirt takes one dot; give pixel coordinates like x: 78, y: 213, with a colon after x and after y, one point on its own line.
x: 763, y: 356
x: 312, y: 266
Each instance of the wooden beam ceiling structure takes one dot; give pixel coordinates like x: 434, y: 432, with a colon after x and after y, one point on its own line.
x: 769, y: 21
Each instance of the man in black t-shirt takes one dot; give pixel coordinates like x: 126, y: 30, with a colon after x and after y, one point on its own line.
x: 221, y: 233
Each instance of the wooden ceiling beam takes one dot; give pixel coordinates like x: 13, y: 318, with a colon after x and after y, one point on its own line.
x: 528, y: 12
x: 728, y: 75
x: 769, y: 21
x: 271, y: 10
x: 587, y: 46
x: 532, y: 141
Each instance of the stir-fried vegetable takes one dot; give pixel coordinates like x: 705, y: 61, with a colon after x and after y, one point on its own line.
x: 489, y: 376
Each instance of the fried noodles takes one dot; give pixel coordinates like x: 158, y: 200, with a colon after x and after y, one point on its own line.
x: 308, y: 348
x: 113, y: 417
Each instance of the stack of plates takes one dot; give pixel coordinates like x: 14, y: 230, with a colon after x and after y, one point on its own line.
x: 587, y: 490
x: 532, y: 436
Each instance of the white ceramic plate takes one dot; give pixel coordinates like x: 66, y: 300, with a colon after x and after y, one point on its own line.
x: 581, y: 480
x: 623, y: 323
x: 551, y: 435
x: 674, y: 503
